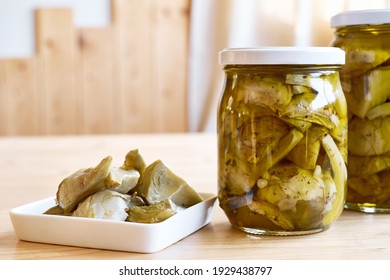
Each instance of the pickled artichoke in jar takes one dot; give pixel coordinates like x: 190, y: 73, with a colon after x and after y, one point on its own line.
x: 365, y: 78
x: 282, y: 139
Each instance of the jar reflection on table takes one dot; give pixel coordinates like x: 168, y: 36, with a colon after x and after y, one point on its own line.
x: 365, y: 77
x: 282, y: 140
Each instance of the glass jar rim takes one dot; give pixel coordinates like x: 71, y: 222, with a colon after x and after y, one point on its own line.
x: 360, y: 17
x: 282, y: 56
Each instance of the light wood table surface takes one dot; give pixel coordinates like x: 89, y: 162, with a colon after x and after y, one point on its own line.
x: 32, y: 167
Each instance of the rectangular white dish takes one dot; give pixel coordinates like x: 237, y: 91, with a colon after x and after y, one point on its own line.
x: 31, y: 225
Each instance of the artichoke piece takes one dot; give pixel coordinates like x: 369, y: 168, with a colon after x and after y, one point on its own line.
x: 106, y: 204
x: 370, y: 189
x: 158, y: 183
x: 322, y: 85
x: 154, y: 213
x: 340, y: 178
x: 262, y: 131
x: 240, y: 175
x: 299, y: 194
x: 360, y: 61
x: 380, y: 111
x: 82, y: 184
x: 298, y: 89
x: 369, y: 137
x: 304, y: 81
x: 134, y: 161
x: 136, y: 200
x: 305, y: 153
x: 303, y: 107
x: 368, y: 165
x: 237, y: 201
x: 320, y: 105
x: 299, y: 124
x: 340, y: 132
x: 365, y: 92
x: 260, y: 136
x: 272, y: 213
x: 55, y: 210
x: 290, y: 184
x: 265, y: 91
x: 122, y: 180
x: 285, y: 145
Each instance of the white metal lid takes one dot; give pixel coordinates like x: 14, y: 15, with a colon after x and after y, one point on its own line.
x: 282, y: 55
x: 375, y: 16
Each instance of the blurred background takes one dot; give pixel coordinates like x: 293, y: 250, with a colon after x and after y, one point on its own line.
x: 137, y: 66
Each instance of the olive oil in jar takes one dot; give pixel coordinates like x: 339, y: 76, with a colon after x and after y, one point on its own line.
x: 365, y: 78
x: 282, y: 139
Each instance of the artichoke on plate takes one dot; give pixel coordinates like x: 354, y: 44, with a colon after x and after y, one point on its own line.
x: 82, y: 184
x: 154, y: 213
x: 146, y: 194
x: 122, y: 180
x: 134, y: 161
x: 106, y: 204
x: 158, y: 183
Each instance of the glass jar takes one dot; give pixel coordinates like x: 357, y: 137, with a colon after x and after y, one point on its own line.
x: 365, y: 78
x: 282, y: 139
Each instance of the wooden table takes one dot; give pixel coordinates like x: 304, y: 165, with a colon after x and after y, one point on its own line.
x: 32, y: 167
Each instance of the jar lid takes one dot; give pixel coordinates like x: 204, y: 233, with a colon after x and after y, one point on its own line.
x: 282, y: 56
x: 359, y: 17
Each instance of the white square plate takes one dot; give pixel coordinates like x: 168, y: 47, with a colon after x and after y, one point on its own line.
x: 31, y: 225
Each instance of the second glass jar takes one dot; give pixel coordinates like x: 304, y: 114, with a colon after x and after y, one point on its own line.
x: 282, y: 139
x: 365, y: 77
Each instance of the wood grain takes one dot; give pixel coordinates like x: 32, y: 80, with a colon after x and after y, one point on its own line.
x: 131, y: 21
x: 96, y: 81
x: 130, y: 76
x: 56, y: 52
x: 170, y: 58
x: 18, y: 103
x: 32, y: 167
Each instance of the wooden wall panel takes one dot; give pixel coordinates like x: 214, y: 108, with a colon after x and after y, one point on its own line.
x: 95, y: 87
x: 4, y: 115
x: 129, y: 77
x: 131, y: 21
x: 18, y: 104
x: 56, y: 52
x: 153, y: 77
x: 169, y: 54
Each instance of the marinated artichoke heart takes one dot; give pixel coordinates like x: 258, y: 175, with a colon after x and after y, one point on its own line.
x: 380, y: 111
x: 148, y: 194
x: 282, y: 159
x: 82, y: 184
x: 271, y: 92
x: 365, y: 79
x: 154, y: 213
x: 368, y: 165
x: 289, y: 184
x: 158, y: 183
x: 361, y: 60
x: 134, y: 161
x: 106, y: 204
x: 55, y: 210
x: 369, y: 137
x: 122, y: 180
x: 306, y: 152
x: 363, y: 93
x: 372, y: 188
